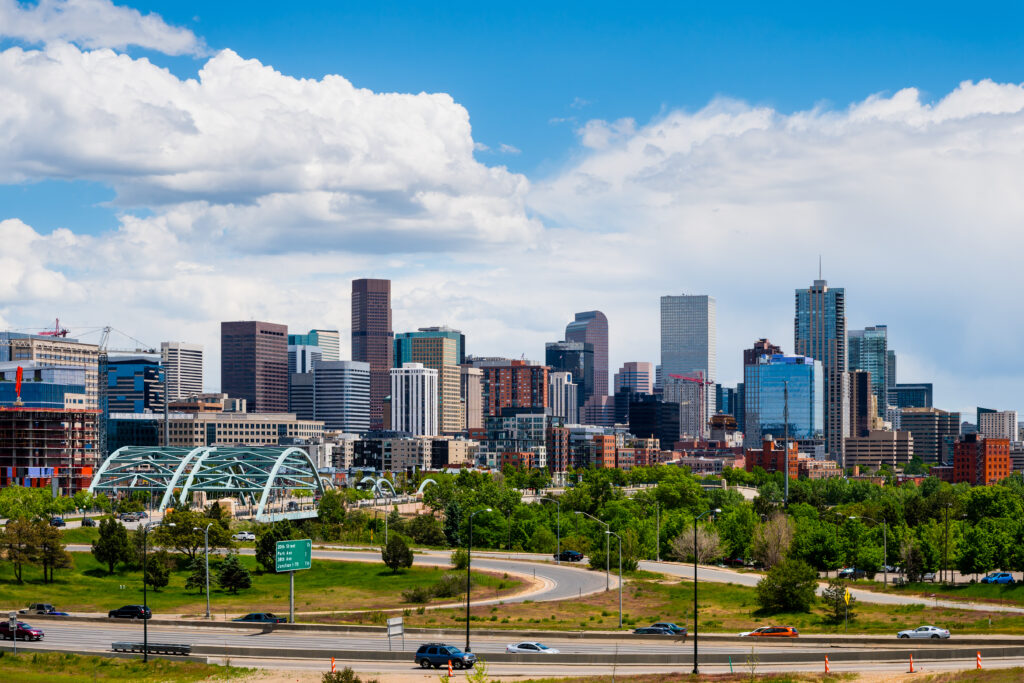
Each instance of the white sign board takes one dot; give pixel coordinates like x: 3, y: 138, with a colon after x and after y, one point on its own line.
x: 396, y: 628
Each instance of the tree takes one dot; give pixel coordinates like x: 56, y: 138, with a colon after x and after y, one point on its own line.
x: 736, y: 529
x: 788, y: 587
x: 709, y: 545
x: 157, y: 572
x: 332, y: 508
x: 183, y: 532
x: 232, y: 575
x: 460, y: 558
x: 197, y: 575
x: 51, y: 553
x: 912, y: 558
x: 772, y: 540
x: 543, y: 540
x: 266, y: 543
x: 112, y: 545
x: 426, y: 530
x: 396, y: 553
x: 20, y: 544
x: 834, y: 598
x: 23, y: 502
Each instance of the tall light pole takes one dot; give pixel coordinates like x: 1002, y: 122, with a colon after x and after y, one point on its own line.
x: 206, y: 547
x: 469, y: 552
x: 695, y: 520
x: 145, y: 599
x: 619, y: 539
x: 607, y: 550
x: 885, y: 548
x: 558, y: 529
x: 657, y: 531
x: 945, y: 547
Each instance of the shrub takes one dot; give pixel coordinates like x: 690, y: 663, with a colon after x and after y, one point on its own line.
x: 417, y: 594
x: 788, y: 587
x: 396, y: 554
x: 460, y: 558
x: 449, y: 586
x: 346, y: 675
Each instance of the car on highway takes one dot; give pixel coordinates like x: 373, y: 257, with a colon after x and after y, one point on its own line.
x: 57, y: 521
x: 262, y: 618
x: 674, y: 628
x: 569, y: 556
x: 924, y: 632
x: 243, y: 536
x: 88, y: 521
x: 22, y: 631
x: 439, y: 654
x: 652, y: 631
x: 772, y: 632
x: 998, y: 577
x: 130, y: 612
x: 42, y: 608
x: 531, y: 647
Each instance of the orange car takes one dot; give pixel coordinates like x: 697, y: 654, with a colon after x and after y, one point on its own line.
x: 772, y: 632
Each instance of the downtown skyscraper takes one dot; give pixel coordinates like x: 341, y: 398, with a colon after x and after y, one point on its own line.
x: 689, y: 337
x: 868, y: 350
x: 819, y: 331
x: 373, y: 339
x: 591, y: 327
x: 254, y: 364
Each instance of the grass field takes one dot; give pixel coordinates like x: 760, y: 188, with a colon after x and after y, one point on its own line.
x: 1008, y: 594
x: 328, y: 586
x: 723, y: 608
x: 721, y: 678
x: 44, y: 667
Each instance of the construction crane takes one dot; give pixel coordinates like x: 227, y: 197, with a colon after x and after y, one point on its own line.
x: 57, y: 331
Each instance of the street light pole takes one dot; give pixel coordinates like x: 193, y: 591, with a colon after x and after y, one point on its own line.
x: 206, y: 546
x: 619, y: 539
x: 469, y: 552
x: 657, y: 532
x: 145, y: 599
x: 695, y: 520
x: 945, y: 547
x: 607, y: 550
x: 558, y: 529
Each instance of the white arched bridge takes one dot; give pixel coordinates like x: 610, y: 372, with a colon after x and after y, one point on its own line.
x: 254, y: 475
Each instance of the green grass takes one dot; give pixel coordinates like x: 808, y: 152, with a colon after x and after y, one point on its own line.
x: 43, y: 667
x: 987, y: 592
x: 81, y: 535
x: 328, y: 586
x: 983, y: 676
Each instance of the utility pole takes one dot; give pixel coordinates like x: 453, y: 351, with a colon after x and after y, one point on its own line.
x: 785, y: 420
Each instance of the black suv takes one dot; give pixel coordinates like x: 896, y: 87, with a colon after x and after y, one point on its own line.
x: 569, y: 556
x: 130, y: 612
x: 438, y: 654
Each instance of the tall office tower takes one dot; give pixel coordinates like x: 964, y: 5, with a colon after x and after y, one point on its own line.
x: 913, y: 395
x: 752, y: 356
x: 935, y: 433
x: 890, y: 376
x: 766, y: 383
x: 511, y: 383
x: 638, y: 377
x: 341, y: 395
x: 135, y: 384
x: 741, y: 407
x: 472, y: 392
x: 56, y: 352
x: 439, y: 348
x: 576, y: 358
x: 591, y: 327
x: 689, y: 339
x: 562, y: 397
x: 820, y: 332
x: 868, y: 350
x: 1000, y: 424
x: 327, y: 341
x: 183, y: 366
x: 254, y: 364
x: 690, y: 392
x: 861, y: 402
x: 302, y: 356
x: 414, y: 402
x: 373, y: 339
x: 300, y: 395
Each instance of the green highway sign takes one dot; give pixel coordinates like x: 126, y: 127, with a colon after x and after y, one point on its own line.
x: 293, y: 555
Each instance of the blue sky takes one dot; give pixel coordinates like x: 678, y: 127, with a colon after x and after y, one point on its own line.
x: 617, y: 152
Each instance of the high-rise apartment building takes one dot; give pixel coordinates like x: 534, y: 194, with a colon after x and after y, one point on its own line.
x: 689, y: 336
x: 254, y: 364
x: 373, y: 339
x: 762, y: 347
x: 472, y: 392
x: 890, y: 375
x: 341, y: 395
x: 328, y: 341
x: 414, y: 403
x: 183, y: 367
x: 562, y: 397
x: 690, y: 393
x: 638, y: 377
x: 868, y: 350
x: 775, y: 385
x: 509, y: 383
x: 1000, y: 424
x: 591, y: 327
x: 55, y: 352
x: 439, y: 348
x: 576, y: 358
x: 981, y: 461
x: 935, y: 432
x: 862, y: 403
x: 819, y: 331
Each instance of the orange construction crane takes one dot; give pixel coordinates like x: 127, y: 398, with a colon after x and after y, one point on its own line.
x: 57, y: 331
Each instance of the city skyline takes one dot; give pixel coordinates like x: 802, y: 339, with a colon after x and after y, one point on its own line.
x: 599, y: 209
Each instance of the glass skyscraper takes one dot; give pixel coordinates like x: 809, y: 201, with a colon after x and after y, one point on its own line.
x: 688, y: 336
x: 868, y: 350
x: 766, y: 384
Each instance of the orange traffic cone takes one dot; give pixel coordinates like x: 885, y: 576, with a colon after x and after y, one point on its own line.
x: 979, y: 659
x: 332, y: 664
x: 911, y: 664
x: 827, y: 669
x: 449, y: 668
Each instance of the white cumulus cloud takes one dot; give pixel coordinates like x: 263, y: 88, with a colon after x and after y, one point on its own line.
x: 94, y: 24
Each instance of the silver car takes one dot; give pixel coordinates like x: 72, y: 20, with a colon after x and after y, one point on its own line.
x: 924, y: 632
x: 531, y: 647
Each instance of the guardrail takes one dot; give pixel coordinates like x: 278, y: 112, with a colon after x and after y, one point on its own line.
x: 153, y: 648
